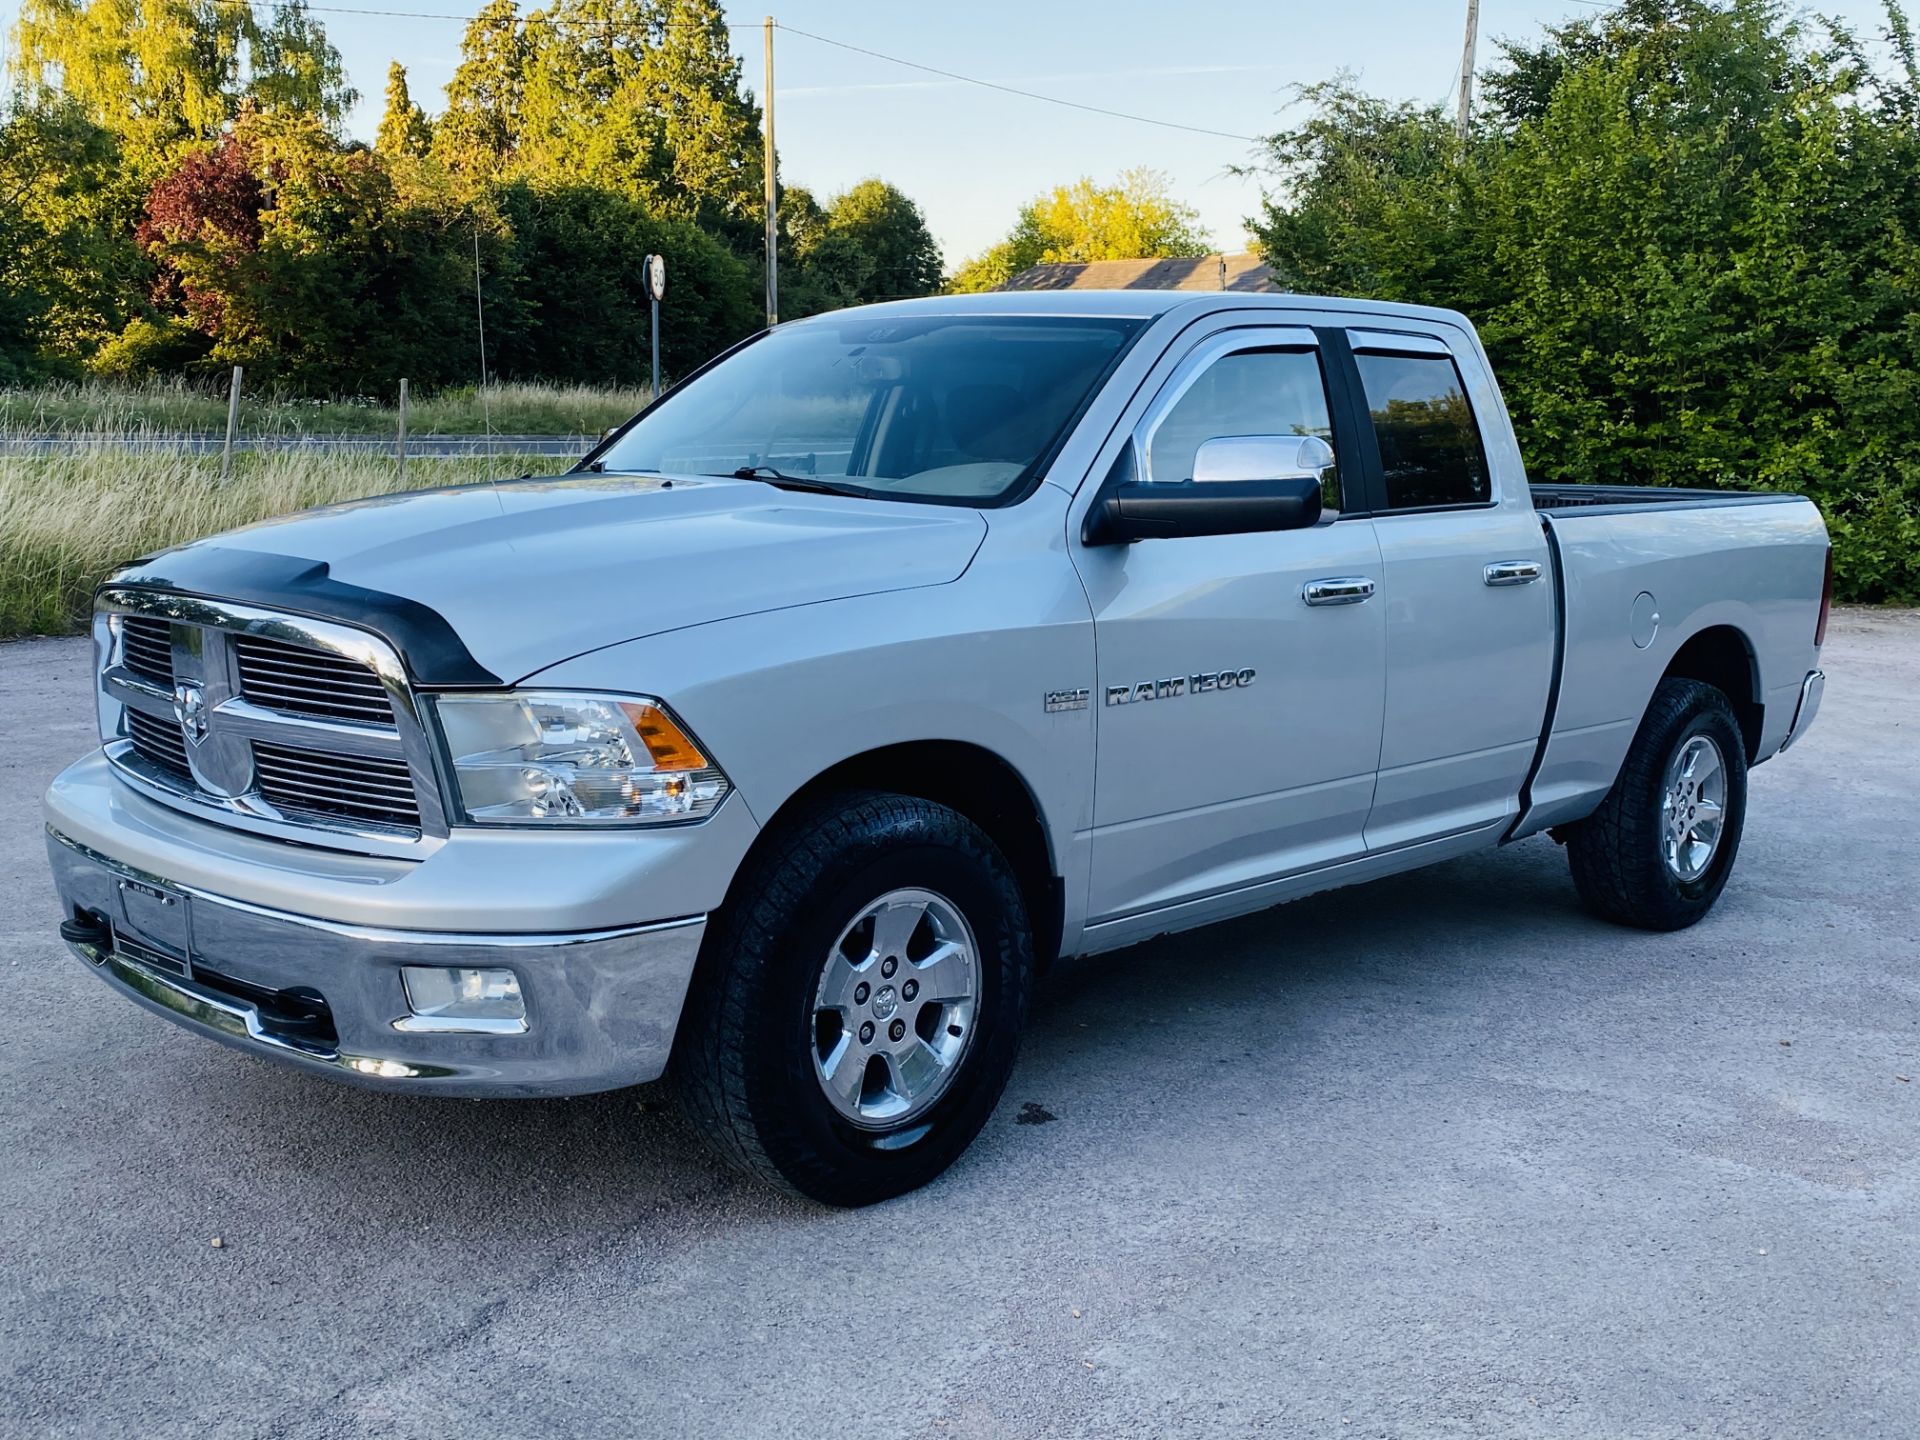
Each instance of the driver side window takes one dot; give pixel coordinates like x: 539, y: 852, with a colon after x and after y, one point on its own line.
x: 1247, y: 392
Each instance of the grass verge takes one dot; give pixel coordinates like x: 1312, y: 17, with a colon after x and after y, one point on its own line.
x: 183, y: 405
x: 67, y: 521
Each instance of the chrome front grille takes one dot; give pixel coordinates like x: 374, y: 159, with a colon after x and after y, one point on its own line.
x: 160, y: 741
x: 269, y: 722
x: 303, y: 681
x: 148, y: 645
x: 359, y: 787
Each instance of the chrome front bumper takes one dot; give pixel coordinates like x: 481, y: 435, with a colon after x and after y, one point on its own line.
x: 602, y: 1006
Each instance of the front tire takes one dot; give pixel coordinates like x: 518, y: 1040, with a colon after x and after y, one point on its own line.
x: 1658, y: 851
x: 859, y: 1004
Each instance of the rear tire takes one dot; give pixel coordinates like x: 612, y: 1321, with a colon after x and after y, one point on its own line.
x: 772, y: 1065
x: 1658, y: 851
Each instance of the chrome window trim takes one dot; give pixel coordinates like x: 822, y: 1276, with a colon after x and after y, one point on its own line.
x: 409, y: 739
x: 1197, y: 361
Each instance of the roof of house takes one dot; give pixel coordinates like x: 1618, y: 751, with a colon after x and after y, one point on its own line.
x: 1205, y: 272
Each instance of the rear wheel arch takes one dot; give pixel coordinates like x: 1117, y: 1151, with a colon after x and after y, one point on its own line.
x: 1722, y: 656
x: 1627, y: 856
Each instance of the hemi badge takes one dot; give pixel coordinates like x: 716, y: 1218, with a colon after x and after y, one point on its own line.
x: 1058, y: 700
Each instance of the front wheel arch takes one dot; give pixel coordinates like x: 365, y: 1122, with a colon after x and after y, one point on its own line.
x: 967, y: 778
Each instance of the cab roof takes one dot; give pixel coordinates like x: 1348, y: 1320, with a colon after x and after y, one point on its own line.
x: 1132, y: 304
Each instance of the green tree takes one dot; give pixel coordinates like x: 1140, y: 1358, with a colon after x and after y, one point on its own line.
x: 578, y: 253
x: 157, y: 75
x: 870, y: 243
x: 404, y: 127
x: 645, y: 97
x: 292, y: 68
x: 1135, y: 218
x: 67, y: 275
x: 706, y: 152
x: 579, y: 53
x: 165, y: 74
x: 478, y: 132
x: 889, y: 229
x: 1690, y: 232
x: 1371, y: 193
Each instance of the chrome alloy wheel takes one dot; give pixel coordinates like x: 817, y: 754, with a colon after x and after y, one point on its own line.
x: 894, y: 1011
x: 1693, y: 807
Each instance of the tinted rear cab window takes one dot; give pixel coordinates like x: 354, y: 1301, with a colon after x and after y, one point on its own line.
x: 1430, y: 450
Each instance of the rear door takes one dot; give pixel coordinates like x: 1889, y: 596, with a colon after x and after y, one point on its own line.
x: 1238, y: 724
x: 1467, y: 585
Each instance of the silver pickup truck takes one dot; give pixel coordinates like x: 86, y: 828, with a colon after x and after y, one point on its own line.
x: 782, y: 743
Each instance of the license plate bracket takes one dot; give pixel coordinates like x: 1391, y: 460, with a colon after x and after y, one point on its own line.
x: 155, y: 926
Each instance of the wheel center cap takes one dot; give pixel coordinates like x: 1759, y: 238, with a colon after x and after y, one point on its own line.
x: 885, y: 1001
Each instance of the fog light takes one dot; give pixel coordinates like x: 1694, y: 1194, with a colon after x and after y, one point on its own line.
x: 478, y: 1002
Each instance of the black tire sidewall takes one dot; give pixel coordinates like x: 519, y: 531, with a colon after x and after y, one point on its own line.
x: 881, y: 845
x: 1620, y: 863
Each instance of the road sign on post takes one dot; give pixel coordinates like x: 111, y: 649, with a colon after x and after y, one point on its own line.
x: 656, y: 290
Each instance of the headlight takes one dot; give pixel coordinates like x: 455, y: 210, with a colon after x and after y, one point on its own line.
x: 558, y: 757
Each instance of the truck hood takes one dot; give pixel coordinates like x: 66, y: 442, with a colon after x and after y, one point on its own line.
x: 484, y: 584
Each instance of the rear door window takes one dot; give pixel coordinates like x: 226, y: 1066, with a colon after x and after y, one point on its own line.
x: 1430, y: 450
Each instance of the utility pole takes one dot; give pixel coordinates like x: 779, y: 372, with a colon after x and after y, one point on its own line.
x: 1466, y: 71
x: 773, y: 215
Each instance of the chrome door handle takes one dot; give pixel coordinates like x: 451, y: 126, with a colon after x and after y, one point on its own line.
x: 1513, y: 572
x: 1337, y: 590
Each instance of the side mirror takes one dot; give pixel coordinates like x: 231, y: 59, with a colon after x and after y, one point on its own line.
x: 1241, y: 485
x: 1261, y: 457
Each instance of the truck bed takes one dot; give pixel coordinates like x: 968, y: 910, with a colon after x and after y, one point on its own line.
x: 1643, y: 568
x: 1561, y: 499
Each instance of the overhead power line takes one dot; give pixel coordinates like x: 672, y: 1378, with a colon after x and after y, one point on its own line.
x: 953, y: 75
x: 1015, y: 90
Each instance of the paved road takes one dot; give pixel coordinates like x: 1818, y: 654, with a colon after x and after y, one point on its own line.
x: 1435, y: 1157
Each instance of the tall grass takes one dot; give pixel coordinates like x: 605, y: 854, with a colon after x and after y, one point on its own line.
x: 67, y: 521
x: 185, y: 405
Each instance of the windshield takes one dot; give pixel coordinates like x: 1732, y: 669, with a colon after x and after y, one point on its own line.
x: 949, y: 408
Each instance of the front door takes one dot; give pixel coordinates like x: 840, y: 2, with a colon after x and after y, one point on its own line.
x: 1241, y: 687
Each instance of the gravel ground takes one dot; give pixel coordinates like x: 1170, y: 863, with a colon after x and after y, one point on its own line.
x: 1438, y: 1156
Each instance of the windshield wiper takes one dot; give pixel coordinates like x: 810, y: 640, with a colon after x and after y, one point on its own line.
x: 807, y: 483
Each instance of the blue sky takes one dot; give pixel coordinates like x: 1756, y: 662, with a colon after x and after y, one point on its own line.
x: 970, y: 156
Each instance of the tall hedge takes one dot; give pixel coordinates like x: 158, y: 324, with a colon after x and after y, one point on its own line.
x: 1690, y: 233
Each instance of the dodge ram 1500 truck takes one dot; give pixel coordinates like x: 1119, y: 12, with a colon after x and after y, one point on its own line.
x: 780, y: 744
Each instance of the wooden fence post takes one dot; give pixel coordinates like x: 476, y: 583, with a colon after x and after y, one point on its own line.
x: 233, y: 423
x: 403, y: 432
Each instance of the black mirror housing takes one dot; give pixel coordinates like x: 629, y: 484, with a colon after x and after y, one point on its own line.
x: 1132, y: 510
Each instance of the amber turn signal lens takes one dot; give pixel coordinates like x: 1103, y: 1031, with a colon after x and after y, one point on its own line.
x: 666, y: 742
